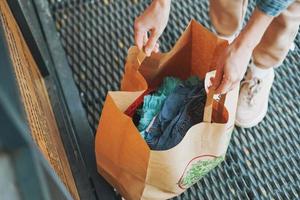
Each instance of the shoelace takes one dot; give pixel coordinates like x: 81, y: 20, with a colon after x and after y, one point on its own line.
x: 253, y: 89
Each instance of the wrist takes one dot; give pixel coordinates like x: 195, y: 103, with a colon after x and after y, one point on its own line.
x: 254, y: 30
x: 246, y: 40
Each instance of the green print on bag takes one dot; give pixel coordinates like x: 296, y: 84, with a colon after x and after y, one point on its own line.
x: 197, y: 168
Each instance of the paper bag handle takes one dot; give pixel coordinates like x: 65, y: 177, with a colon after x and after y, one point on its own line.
x: 141, y: 57
x: 208, y: 110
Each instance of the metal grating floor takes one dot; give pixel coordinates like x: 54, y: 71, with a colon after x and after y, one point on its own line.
x: 262, y: 162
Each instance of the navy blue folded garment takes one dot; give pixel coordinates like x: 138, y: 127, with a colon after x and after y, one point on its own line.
x: 183, y: 108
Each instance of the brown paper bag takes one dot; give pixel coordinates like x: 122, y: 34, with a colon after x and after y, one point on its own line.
x: 124, y: 158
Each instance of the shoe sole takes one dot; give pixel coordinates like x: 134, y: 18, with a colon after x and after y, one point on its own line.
x: 255, y: 122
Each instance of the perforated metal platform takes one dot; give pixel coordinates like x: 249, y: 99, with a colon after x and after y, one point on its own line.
x: 262, y: 162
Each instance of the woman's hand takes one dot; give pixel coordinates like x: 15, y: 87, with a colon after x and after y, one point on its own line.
x: 233, y: 62
x: 231, y: 67
x: 153, y: 21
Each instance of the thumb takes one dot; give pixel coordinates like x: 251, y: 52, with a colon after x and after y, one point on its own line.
x: 151, y: 42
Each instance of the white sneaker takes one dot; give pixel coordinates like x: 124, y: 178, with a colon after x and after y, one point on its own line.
x: 253, y: 99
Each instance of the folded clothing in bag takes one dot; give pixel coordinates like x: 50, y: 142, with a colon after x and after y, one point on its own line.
x: 131, y: 111
x: 164, y: 116
x: 183, y: 108
x: 153, y: 103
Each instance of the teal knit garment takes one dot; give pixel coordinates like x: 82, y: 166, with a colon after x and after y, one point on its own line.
x: 154, y: 102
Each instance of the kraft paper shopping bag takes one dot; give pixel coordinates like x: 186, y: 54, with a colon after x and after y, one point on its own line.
x: 124, y: 158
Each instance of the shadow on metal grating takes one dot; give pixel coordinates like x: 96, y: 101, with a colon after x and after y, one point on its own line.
x: 262, y: 162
